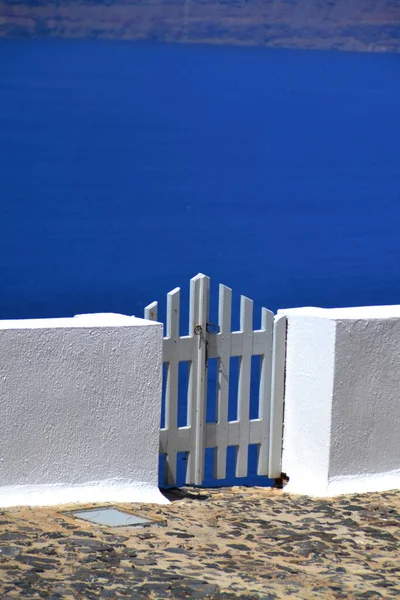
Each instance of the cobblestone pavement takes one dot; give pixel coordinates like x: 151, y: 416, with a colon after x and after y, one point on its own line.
x: 247, y: 543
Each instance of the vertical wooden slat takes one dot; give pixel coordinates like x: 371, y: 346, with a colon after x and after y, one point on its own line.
x: 192, y: 386
x: 267, y: 325
x: 171, y: 395
x: 246, y: 326
x: 191, y: 398
x: 224, y: 321
x: 151, y: 312
x: 277, y: 398
x: 200, y: 436
x: 199, y: 305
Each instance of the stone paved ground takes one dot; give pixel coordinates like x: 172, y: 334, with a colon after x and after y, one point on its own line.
x: 247, y: 543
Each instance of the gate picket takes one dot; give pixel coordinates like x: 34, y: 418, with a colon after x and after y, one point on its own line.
x: 199, y: 301
x: 264, y: 409
x: 246, y: 327
x: 224, y: 322
x: 171, y: 394
x: 277, y: 400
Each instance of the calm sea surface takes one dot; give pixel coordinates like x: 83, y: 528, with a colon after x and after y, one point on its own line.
x: 126, y: 168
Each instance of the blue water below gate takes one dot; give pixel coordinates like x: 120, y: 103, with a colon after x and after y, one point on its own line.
x: 126, y: 168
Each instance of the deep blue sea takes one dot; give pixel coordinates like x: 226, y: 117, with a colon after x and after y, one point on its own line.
x: 126, y: 168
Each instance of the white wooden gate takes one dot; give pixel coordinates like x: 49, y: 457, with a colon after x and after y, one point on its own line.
x: 202, y: 344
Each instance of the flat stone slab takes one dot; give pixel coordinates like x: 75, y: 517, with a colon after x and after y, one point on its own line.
x: 249, y: 543
x: 111, y: 517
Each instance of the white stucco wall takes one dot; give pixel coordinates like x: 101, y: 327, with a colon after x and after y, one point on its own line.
x: 80, y: 410
x: 342, y: 400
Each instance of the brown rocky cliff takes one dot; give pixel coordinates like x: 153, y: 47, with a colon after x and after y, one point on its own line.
x: 365, y: 25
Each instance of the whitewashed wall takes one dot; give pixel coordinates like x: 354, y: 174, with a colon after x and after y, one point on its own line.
x: 342, y: 400
x: 80, y: 410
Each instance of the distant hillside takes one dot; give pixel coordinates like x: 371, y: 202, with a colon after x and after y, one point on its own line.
x: 363, y: 25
